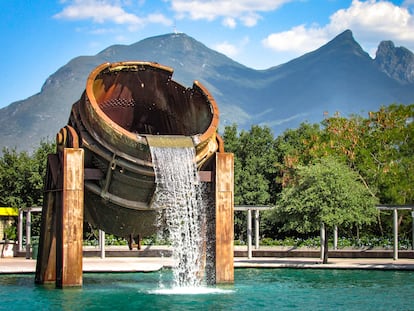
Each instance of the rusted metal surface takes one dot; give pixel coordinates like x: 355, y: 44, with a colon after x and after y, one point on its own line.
x: 123, y: 106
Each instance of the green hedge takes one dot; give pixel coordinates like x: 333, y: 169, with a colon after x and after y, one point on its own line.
x: 363, y: 242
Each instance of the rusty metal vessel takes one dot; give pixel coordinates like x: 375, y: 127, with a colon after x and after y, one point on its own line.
x: 125, y: 107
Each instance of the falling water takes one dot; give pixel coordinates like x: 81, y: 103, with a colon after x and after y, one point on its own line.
x: 178, y: 197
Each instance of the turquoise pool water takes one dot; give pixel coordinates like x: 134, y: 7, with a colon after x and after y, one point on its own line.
x: 254, y: 289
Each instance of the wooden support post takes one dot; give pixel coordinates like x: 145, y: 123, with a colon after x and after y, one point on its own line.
x: 46, y: 259
x: 224, y: 184
x: 60, y: 249
x: 70, y: 221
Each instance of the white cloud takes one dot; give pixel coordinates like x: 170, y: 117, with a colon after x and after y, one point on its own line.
x: 158, y: 18
x: 283, y: 121
x: 98, y: 11
x: 375, y: 17
x: 250, y: 19
x: 371, y: 21
x: 298, y: 39
x: 102, y: 11
x: 246, y: 11
x: 227, y: 49
x: 229, y: 22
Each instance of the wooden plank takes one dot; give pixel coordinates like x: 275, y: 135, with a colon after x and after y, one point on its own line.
x: 46, y: 259
x: 69, y: 263
x: 224, y: 218
x: 50, y: 272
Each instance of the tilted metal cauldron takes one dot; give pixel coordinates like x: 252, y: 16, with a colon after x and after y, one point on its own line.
x: 123, y: 106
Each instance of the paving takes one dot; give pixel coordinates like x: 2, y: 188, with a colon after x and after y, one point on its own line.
x: 92, y: 264
x: 139, y: 261
x: 333, y: 263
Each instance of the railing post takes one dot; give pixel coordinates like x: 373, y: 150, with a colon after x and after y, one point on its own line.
x: 28, y: 232
x: 395, y: 229
x: 256, y: 228
x: 102, y: 243
x: 20, y: 230
x: 249, y: 233
x: 322, y: 240
x: 412, y: 229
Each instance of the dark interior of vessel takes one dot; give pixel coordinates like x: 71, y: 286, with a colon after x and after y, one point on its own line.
x: 147, y: 101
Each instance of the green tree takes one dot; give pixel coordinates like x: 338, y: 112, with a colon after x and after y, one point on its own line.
x: 391, y: 142
x: 254, y: 168
x: 257, y: 159
x: 297, y: 147
x: 379, y: 148
x: 16, y: 179
x: 21, y: 178
x: 326, y: 192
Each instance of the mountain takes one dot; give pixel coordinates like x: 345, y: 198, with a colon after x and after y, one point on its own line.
x: 397, y: 63
x: 337, y: 77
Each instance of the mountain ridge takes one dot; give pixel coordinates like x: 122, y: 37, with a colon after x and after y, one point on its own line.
x: 339, y: 76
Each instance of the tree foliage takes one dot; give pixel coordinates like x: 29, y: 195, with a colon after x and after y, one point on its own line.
x: 255, y: 169
x: 297, y: 147
x: 379, y: 148
x: 21, y: 176
x: 326, y: 192
x: 21, y: 179
x: 376, y: 149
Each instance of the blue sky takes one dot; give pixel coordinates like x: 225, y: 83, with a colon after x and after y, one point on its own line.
x: 41, y: 36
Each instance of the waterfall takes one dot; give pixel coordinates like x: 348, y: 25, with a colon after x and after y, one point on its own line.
x: 178, y: 198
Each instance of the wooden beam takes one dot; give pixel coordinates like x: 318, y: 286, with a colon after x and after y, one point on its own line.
x: 70, y: 220
x: 46, y: 259
x: 224, y: 184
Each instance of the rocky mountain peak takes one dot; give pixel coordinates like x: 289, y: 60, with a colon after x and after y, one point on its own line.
x: 345, y: 42
x: 396, y: 62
